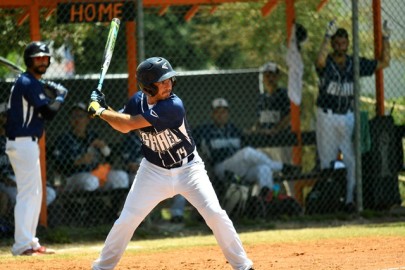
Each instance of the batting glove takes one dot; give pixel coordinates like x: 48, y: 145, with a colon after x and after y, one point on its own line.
x: 331, y: 29
x: 95, y: 109
x: 60, y: 90
x: 98, y: 96
x: 386, y: 31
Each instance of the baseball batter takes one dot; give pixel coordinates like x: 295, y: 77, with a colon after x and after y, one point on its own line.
x: 171, y: 164
x: 335, y: 119
x: 28, y: 108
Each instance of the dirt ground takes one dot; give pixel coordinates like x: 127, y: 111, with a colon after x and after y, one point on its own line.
x: 338, y: 254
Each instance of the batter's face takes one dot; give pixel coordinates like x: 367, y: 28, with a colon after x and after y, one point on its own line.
x: 164, y: 89
x: 40, y: 64
x: 340, y: 45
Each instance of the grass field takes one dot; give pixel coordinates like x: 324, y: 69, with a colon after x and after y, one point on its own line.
x: 336, y: 245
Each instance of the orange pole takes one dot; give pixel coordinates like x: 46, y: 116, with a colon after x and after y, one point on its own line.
x: 35, y: 36
x: 269, y: 7
x: 131, y: 57
x: 321, y: 5
x: 379, y: 75
x: 295, y: 109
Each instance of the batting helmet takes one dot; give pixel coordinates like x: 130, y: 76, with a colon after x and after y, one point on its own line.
x: 35, y: 49
x: 152, y: 70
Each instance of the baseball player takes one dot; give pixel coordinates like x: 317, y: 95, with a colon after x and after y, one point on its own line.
x: 79, y: 152
x: 171, y: 164
x: 7, y: 177
x: 274, y: 111
x: 221, y: 144
x: 335, y: 119
x: 28, y: 108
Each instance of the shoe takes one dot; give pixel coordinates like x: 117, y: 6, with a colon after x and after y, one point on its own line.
x: 176, y: 219
x: 28, y: 252
x: 40, y: 251
x: 45, y: 250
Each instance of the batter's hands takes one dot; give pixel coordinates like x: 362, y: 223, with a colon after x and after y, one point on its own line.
x: 98, y: 96
x: 95, y: 109
x: 331, y: 29
x: 60, y: 91
x: 386, y: 31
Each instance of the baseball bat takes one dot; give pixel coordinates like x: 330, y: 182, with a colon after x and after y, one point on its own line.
x: 11, y: 65
x: 108, y: 50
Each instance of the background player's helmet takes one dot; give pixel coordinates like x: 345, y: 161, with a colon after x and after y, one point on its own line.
x: 36, y: 49
x: 152, y: 70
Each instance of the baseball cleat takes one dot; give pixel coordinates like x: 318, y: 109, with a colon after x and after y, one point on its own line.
x: 41, y: 251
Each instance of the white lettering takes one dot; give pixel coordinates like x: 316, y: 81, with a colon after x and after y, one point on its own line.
x: 160, y: 142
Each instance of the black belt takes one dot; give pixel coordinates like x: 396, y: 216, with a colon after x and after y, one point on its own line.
x: 180, y: 163
x: 341, y: 111
x: 33, y: 138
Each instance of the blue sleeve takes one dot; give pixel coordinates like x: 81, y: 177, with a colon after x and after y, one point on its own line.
x: 367, y: 66
x: 34, y: 93
x: 168, y: 113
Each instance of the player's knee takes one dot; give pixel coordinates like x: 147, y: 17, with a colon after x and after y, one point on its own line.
x: 212, y: 214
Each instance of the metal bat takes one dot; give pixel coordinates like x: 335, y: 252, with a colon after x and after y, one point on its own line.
x: 11, y: 65
x: 108, y: 50
x: 49, y: 87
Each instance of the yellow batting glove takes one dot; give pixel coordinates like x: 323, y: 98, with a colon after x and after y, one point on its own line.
x: 95, y: 109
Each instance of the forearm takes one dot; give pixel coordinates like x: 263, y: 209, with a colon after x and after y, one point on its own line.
x: 124, y: 122
x: 323, y: 53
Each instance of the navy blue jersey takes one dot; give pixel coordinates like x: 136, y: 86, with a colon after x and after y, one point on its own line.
x: 216, y: 143
x: 273, y: 107
x: 169, y: 139
x: 69, y: 147
x: 23, y: 117
x: 336, y: 85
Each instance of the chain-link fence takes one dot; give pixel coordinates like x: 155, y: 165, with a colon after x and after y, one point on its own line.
x: 223, y: 51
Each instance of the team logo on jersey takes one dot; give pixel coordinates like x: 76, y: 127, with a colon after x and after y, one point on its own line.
x: 160, y: 141
x: 153, y: 113
x: 164, y: 66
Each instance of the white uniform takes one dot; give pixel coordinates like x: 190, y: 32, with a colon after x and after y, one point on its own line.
x: 171, y: 166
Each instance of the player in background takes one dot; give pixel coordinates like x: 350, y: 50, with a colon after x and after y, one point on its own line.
x: 274, y: 112
x: 82, y: 156
x: 335, y: 118
x: 171, y: 164
x: 28, y: 109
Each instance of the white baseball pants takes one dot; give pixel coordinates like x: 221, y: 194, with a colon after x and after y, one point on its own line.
x: 153, y: 184
x: 333, y: 133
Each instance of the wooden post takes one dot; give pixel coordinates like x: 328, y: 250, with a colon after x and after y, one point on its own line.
x: 379, y: 75
x: 295, y: 109
x: 36, y: 36
x: 131, y: 57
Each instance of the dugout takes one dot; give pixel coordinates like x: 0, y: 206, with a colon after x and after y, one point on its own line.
x: 34, y: 9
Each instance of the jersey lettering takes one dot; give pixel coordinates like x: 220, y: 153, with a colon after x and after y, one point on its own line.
x: 181, y: 152
x: 159, y: 142
x: 268, y: 116
x: 340, y: 89
x: 225, y: 142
